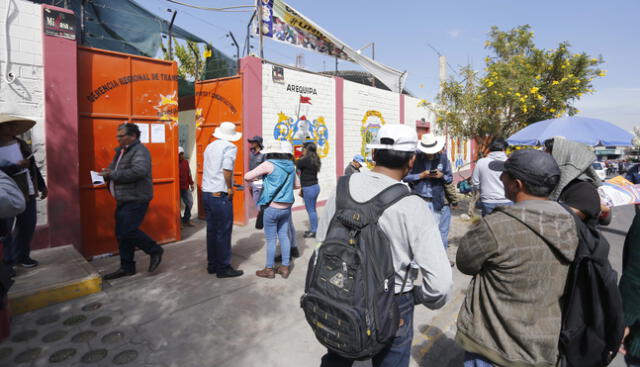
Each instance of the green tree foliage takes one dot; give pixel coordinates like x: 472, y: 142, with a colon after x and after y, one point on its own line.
x: 520, y: 85
x: 191, y: 59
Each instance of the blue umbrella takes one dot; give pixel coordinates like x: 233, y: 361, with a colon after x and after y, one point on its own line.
x: 585, y: 130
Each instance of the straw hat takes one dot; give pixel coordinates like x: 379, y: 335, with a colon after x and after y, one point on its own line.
x: 431, y: 144
x: 280, y: 146
x: 22, y: 125
x: 227, y: 131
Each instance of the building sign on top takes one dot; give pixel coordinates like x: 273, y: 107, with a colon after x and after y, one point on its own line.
x: 59, y: 24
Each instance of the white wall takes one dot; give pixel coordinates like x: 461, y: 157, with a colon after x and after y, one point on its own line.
x: 280, y: 101
x: 358, y: 100
x: 414, y: 111
x: 25, y: 96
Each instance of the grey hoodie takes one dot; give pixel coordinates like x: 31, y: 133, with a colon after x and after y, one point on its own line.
x: 519, y: 257
x: 488, y: 181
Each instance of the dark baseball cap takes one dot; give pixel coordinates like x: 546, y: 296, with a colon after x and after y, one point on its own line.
x: 256, y: 139
x: 532, y: 166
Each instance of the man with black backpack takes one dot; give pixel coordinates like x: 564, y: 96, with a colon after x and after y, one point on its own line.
x: 543, y: 291
x: 359, y: 296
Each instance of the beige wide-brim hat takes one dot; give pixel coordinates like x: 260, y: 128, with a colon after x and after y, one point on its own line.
x: 227, y: 131
x: 431, y: 144
x: 23, y: 125
x: 280, y: 146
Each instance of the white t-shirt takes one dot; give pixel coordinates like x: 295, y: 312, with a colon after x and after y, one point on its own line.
x: 11, y: 153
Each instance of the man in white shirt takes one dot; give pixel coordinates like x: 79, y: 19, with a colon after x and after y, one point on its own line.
x: 217, y: 196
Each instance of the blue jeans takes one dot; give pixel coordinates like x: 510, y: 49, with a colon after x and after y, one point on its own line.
x: 219, y: 226
x: 487, y: 208
x: 255, y: 194
x: 310, y: 196
x: 445, y: 223
x: 437, y: 215
x: 276, y: 227
x: 17, y: 245
x: 292, y: 232
x: 476, y: 360
x: 398, y: 354
x: 129, y: 217
x: 187, y: 199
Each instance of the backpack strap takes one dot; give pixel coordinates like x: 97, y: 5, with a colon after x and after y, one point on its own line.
x: 376, y: 205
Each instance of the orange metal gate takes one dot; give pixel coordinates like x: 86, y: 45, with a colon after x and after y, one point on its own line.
x: 218, y: 101
x: 114, y: 88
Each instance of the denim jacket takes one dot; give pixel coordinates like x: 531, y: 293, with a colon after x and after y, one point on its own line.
x: 432, y: 188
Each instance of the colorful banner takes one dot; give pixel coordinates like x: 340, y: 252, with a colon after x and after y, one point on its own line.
x: 280, y: 22
x: 619, y: 191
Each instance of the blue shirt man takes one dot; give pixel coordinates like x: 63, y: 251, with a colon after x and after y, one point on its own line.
x: 431, y: 171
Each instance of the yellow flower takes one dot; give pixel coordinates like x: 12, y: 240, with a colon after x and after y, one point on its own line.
x: 579, y: 94
x: 490, y: 83
x: 534, y: 90
x: 578, y: 81
x: 555, y: 82
x: 552, y: 110
x: 602, y: 73
x: 540, y: 98
x: 537, y: 77
x: 594, y: 60
x: 563, y: 66
x: 570, y: 75
x: 563, y: 79
x: 486, y: 43
x: 518, y: 94
x: 522, y: 99
x: 577, y: 111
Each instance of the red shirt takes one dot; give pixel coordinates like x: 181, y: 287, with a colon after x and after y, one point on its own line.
x: 185, y: 174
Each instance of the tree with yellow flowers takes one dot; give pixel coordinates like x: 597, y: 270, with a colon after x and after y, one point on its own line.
x: 520, y: 85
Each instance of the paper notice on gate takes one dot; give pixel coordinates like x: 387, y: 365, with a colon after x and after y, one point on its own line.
x: 96, y: 179
x: 144, y: 132
x: 157, y: 133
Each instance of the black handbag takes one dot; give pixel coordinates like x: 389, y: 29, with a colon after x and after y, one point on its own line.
x: 260, y: 217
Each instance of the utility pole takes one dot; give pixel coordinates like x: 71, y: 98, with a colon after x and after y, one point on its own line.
x: 259, y: 9
x: 443, y: 71
x: 173, y: 17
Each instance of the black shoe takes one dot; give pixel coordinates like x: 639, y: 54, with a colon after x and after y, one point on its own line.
x: 118, y: 274
x: 309, y: 235
x: 28, y: 263
x: 154, y: 262
x: 295, y: 252
x: 229, y: 273
x: 306, y: 233
x: 278, y: 258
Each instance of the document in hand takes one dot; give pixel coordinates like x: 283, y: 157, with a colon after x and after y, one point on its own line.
x: 96, y: 179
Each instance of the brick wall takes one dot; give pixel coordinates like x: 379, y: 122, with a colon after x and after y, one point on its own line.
x: 280, y: 103
x: 365, y: 105
x: 25, y: 96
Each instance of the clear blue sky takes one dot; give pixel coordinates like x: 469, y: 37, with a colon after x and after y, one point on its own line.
x: 458, y: 29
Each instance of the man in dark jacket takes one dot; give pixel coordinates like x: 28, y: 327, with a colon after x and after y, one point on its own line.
x: 129, y: 179
x: 354, y: 166
x: 519, y: 258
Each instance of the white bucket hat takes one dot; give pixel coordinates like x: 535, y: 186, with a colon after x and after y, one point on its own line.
x: 431, y: 144
x: 279, y: 146
x: 227, y: 131
x: 396, y: 137
x: 23, y: 124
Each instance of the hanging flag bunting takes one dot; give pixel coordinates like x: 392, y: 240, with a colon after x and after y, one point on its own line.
x: 280, y: 22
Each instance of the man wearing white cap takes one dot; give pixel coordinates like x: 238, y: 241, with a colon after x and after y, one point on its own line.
x: 428, y: 177
x: 413, y: 236
x: 186, y: 187
x: 217, y: 196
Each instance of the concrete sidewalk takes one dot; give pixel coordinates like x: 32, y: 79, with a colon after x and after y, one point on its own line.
x: 182, y: 316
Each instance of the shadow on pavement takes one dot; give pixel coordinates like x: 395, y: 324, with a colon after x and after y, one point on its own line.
x: 437, y: 348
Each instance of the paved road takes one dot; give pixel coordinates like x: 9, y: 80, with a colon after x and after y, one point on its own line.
x: 184, y: 317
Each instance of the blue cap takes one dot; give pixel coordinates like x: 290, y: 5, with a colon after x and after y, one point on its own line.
x: 358, y: 158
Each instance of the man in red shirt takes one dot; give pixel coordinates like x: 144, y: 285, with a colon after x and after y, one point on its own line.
x: 186, y: 187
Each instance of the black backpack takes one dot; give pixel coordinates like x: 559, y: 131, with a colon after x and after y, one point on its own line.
x: 592, y: 317
x: 349, y: 298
